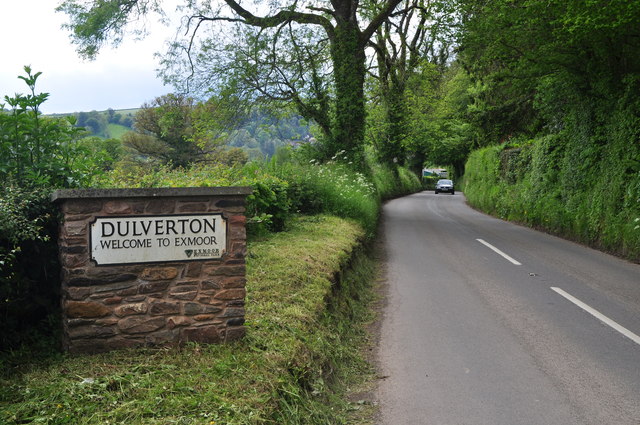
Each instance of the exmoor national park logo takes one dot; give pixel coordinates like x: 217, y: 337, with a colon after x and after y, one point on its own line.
x: 203, y: 252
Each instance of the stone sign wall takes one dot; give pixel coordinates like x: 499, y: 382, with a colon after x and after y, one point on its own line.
x: 147, y: 267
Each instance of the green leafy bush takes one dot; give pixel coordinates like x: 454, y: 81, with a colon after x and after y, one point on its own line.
x: 269, y: 205
x: 37, y: 155
x: 29, y: 272
x: 40, y: 151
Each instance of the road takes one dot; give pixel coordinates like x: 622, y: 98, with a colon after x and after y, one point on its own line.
x: 487, y: 322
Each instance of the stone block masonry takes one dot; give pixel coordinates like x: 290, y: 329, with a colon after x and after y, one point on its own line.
x: 125, y: 286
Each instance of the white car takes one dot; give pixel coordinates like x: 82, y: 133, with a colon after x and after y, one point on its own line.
x: 445, y: 186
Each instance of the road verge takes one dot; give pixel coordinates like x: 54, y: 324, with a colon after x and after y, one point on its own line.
x: 305, y: 305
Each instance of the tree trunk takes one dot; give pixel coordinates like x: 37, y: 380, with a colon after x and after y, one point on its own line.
x: 348, y: 57
x: 392, y: 150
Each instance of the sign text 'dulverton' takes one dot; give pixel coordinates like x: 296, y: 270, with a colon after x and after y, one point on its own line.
x: 143, y: 239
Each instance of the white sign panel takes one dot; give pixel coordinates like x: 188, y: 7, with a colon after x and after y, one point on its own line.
x: 147, y: 239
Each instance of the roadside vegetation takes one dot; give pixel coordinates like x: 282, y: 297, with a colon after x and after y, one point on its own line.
x: 304, y: 324
x: 538, y: 108
x: 308, y: 283
x: 537, y: 184
x: 560, y: 110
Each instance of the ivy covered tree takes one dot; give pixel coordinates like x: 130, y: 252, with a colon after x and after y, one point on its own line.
x: 405, y: 45
x: 345, y: 27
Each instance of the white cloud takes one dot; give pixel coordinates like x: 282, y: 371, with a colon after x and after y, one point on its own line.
x: 119, y: 78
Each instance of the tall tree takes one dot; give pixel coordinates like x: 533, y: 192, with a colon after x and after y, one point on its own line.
x: 419, y: 34
x: 348, y: 25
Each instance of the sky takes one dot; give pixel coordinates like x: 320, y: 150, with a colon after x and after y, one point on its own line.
x: 121, y: 78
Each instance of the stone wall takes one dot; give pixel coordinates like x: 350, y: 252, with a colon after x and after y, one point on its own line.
x: 150, y: 304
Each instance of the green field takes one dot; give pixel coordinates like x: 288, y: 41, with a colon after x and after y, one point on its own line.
x: 115, y: 131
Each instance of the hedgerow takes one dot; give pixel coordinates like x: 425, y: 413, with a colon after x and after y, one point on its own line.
x: 569, y: 184
x: 282, y: 189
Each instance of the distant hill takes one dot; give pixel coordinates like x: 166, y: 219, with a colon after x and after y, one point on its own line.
x: 108, y: 124
x: 259, y: 135
x: 106, y: 111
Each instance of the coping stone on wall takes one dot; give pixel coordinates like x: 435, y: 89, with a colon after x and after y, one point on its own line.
x: 62, y: 194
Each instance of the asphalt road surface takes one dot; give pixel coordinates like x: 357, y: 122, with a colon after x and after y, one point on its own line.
x: 487, y: 322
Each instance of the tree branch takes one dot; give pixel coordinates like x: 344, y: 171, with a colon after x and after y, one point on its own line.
x: 323, y: 10
x: 281, y: 17
x: 379, y: 19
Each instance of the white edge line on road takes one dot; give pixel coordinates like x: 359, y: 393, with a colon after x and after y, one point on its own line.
x: 488, y: 245
x: 604, y: 319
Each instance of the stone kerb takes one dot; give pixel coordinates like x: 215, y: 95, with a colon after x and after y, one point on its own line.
x: 137, y: 300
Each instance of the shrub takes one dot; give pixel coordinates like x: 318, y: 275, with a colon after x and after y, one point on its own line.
x: 37, y: 154
x: 269, y: 206
x: 40, y: 151
x: 29, y: 271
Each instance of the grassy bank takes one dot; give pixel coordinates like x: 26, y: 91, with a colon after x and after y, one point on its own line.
x: 305, y: 301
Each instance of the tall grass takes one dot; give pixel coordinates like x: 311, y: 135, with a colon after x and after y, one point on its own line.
x: 284, y: 189
x: 332, y: 189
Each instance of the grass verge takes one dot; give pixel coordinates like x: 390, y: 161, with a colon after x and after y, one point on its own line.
x: 306, y: 301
